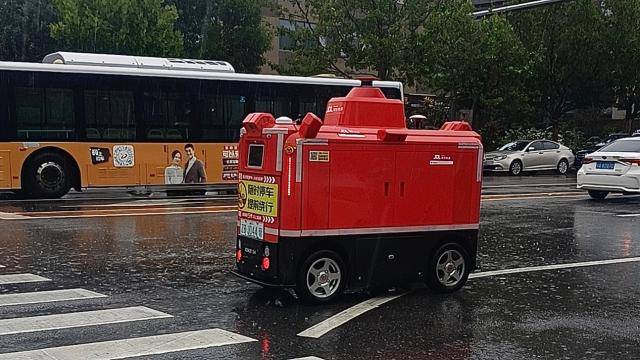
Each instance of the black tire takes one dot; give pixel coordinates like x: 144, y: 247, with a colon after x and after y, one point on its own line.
x: 443, y: 264
x: 515, y: 168
x: 47, y: 176
x: 563, y: 167
x: 308, y: 287
x: 19, y: 194
x: 598, y: 194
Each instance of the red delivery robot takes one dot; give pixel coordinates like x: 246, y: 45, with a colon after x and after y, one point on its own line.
x: 357, y: 200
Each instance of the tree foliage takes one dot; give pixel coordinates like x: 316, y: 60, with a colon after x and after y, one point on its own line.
x: 230, y: 30
x: 622, y: 35
x: 479, y: 65
x: 135, y: 27
x: 349, y: 36
x: 24, y: 34
x: 568, y: 57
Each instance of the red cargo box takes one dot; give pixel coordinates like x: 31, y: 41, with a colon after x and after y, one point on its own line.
x: 357, y: 200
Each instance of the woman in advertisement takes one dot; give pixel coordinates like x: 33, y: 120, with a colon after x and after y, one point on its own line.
x: 173, y: 174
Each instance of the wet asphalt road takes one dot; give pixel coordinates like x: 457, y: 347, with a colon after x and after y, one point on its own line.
x: 173, y: 256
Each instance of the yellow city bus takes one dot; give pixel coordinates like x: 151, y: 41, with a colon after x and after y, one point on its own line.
x: 91, y: 120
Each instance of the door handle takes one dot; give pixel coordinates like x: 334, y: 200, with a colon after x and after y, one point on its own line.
x: 386, y: 188
x: 401, y: 188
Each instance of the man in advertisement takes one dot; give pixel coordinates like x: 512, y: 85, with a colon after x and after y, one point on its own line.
x: 194, y: 171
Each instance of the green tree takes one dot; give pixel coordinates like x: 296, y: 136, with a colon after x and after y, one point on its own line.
x: 566, y: 46
x: 478, y: 65
x: 136, y: 27
x: 622, y: 19
x: 469, y: 64
x: 229, y: 30
x: 24, y: 32
x: 350, y: 36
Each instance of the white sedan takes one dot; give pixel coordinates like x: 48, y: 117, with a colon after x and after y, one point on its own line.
x: 613, y: 168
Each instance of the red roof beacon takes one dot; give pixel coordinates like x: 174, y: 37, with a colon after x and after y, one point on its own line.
x: 357, y: 200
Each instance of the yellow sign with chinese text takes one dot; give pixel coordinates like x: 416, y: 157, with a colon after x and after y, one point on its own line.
x: 258, y: 198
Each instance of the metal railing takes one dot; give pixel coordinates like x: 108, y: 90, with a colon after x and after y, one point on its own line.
x: 516, y: 7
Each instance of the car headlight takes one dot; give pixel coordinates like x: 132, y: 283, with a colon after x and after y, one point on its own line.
x: 501, y: 157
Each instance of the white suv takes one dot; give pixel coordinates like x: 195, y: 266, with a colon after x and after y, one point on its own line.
x: 613, y: 168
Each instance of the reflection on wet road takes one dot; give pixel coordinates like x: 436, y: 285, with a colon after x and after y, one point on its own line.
x: 162, y: 282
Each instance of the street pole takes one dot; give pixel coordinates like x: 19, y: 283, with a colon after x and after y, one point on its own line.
x: 516, y: 7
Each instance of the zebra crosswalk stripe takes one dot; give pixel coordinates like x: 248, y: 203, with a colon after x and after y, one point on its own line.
x: 20, y: 278
x: 78, y: 319
x: 39, y: 297
x: 134, y: 347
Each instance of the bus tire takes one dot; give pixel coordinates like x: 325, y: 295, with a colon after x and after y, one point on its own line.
x: 47, y: 176
x: 322, y: 277
x: 448, y: 268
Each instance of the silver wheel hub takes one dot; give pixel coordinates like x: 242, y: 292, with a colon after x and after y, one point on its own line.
x: 50, y: 175
x: 450, y: 268
x: 323, y: 277
x: 563, y: 167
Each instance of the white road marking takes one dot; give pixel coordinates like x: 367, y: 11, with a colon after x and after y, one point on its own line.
x: 556, y: 193
x: 526, y: 185
x: 39, y: 297
x: 139, y: 203
x: 141, y: 346
x: 78, y: 319
x: 11, y: 216
x: 2, y: 266
x: 536, y: 197
x: 308, y: 358
x: 341, y: 318
x: 118, y: 215
x: 628, y: 215
x: 20, y: 278
x: 553, y: 267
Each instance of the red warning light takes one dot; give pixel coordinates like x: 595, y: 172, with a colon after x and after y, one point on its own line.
x: 265, y: 263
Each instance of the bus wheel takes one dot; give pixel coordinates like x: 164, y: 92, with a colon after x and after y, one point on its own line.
x: 448, y: 268
x: 47, y: 176
x: 322, y: 277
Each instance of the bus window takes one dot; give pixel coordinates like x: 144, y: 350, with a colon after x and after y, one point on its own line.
x: 275, y: 99
x: 109, y: 115
x: 226, y: 103
x: 42, y: 110
x: 307, y: 101
x: 391, y: 93
x: 5, y: 126
x: 170, y: 109
x: 109, y: 111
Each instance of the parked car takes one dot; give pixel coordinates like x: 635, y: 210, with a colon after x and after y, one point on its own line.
x: 593, y: 146
x: 527, y: 155
x: 613, y: 168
